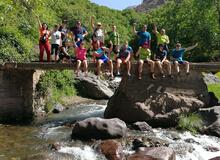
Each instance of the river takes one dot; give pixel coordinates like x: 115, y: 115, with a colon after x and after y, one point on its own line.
x: 36, y: 142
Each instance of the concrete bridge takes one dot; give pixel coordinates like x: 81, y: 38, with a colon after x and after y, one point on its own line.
x: 18, y: 81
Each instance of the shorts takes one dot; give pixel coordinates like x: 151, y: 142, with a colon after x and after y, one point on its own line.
x: 104, y: 59
x: 122, y: 59
x: 54, y: 49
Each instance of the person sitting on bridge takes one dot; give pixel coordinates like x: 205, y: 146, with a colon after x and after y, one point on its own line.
x: 144, y: 36
x: 178, y: 53
x: 80, y: 53
x: 124, y: 57
x: 161, y: 59
x: 99, y: 56
x: 144, y: 54
x: 79, y: 32
x: 44, y: 43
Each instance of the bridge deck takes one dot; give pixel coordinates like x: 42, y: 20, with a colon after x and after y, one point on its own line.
x: 205, y: 66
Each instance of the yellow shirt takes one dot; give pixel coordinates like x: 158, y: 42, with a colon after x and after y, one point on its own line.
x: 144, y: 53
x: 162, y: 39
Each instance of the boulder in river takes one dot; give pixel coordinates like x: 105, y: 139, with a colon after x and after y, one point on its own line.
x: 158, y: 102
x: 99, y: 128
x: 111, y: 149
x: 160, y: 109
x: 92, y: 87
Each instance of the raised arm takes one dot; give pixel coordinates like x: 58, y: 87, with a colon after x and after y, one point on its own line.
x: 191, y: 47
x: 92, y: 23
x: 134, y: 28
x: 39, y: 22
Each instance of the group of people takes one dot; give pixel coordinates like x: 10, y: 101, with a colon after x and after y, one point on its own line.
x: 102, y: 49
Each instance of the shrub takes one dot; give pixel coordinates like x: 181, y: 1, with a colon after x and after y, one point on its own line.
x: 192, y: 122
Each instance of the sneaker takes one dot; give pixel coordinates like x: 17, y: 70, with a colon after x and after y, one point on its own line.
x: 139, y: 78
x: 129, y: 74
x: 153, y: 76
x: 162, y: 75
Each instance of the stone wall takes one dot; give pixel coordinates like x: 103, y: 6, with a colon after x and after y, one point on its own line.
x: 16, y: 95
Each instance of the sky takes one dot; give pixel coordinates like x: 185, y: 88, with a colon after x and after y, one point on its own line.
x: 117, y: 4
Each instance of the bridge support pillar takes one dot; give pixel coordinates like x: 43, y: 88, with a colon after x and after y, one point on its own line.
x: 16, y: 95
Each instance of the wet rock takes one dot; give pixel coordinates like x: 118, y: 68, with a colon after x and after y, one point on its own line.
x: 141, y: 126
x: 98, y: 128
x: 160, y: 153
x: 58, y: 108
x: 111, y: 149
x: 92, y: 87
x: 190, y: 140
x: 54, y: 146
x: 140, y: 157
x: 211, y: 119
x: 137, y: 143
x: 216, y: 158
x: 211, y: 149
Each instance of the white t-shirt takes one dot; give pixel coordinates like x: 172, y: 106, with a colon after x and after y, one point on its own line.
x: 56, y: 37
x: 99, y: 35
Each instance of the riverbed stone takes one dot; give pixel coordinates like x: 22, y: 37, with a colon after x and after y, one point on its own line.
x: 211, y: 119
x: 92, y: 87
x: 160, y: 153
x: 58, y: 108
x: 141, y: 126
x: 111, y: 149
x: 99, y: 128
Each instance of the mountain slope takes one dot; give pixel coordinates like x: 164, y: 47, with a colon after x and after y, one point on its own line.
x: 148, y: 5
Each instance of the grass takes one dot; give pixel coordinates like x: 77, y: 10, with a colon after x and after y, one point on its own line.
x: 215, y: 88
x: 55, y: 85
x: 192, y: 122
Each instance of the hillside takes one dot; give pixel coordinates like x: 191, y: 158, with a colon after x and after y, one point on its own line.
x: 148, y: 5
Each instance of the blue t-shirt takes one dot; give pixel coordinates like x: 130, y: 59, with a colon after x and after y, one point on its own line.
x: 124, y: 52
x: 144, y: 37
x: 178, y: 55
x: 161, y: 54
x: 78, y: 33
x: 101, y: 52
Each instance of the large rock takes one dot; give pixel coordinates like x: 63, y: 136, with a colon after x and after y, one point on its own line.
x: 92, y: 87
x: 211, y: 118
x: 158, y: 102
x: 160, y: 153
x: 98, y: 128
x: 111, y: 149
